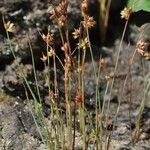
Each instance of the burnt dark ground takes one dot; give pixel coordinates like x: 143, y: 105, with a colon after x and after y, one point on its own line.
x: 17, y: 129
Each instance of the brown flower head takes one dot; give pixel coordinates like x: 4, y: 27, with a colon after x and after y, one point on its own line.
x: 62, y: 20
x: 48, y: 39
x: 143, y: 49
x: 126, y: 12
x: 59, y: 10
x: 140, y: 47
x: 43, y: 58
x: 88, y: 22
x: 76, y: 33
x: 62, y: 7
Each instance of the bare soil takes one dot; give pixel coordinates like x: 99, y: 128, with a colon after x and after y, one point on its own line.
x: 17, y: 128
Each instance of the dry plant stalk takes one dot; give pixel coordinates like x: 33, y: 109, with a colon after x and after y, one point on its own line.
x: 104, y: 17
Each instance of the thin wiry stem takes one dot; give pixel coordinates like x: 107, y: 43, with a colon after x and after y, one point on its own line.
x: 33, y: 63
x: 113, y: 79
x: 92, y: 57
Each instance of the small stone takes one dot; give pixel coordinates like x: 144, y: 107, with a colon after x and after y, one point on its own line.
x: 122, y: 130
x: 144, y: 136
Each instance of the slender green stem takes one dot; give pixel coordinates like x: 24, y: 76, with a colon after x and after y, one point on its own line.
x: 115, y: 69
x: 22, y: 75
x: 91, y: 52
x: 137, y: 128
x: 33, y: 63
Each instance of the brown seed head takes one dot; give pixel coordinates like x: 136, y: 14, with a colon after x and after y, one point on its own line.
x: 140, y: 47
x: 62, y: 7
x: 48, y: 39
x: 62, y: 20
x: 88, y: 22
x: 59, y: 10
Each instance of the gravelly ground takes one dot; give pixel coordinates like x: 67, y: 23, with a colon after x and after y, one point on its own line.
x: 17, y: 128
